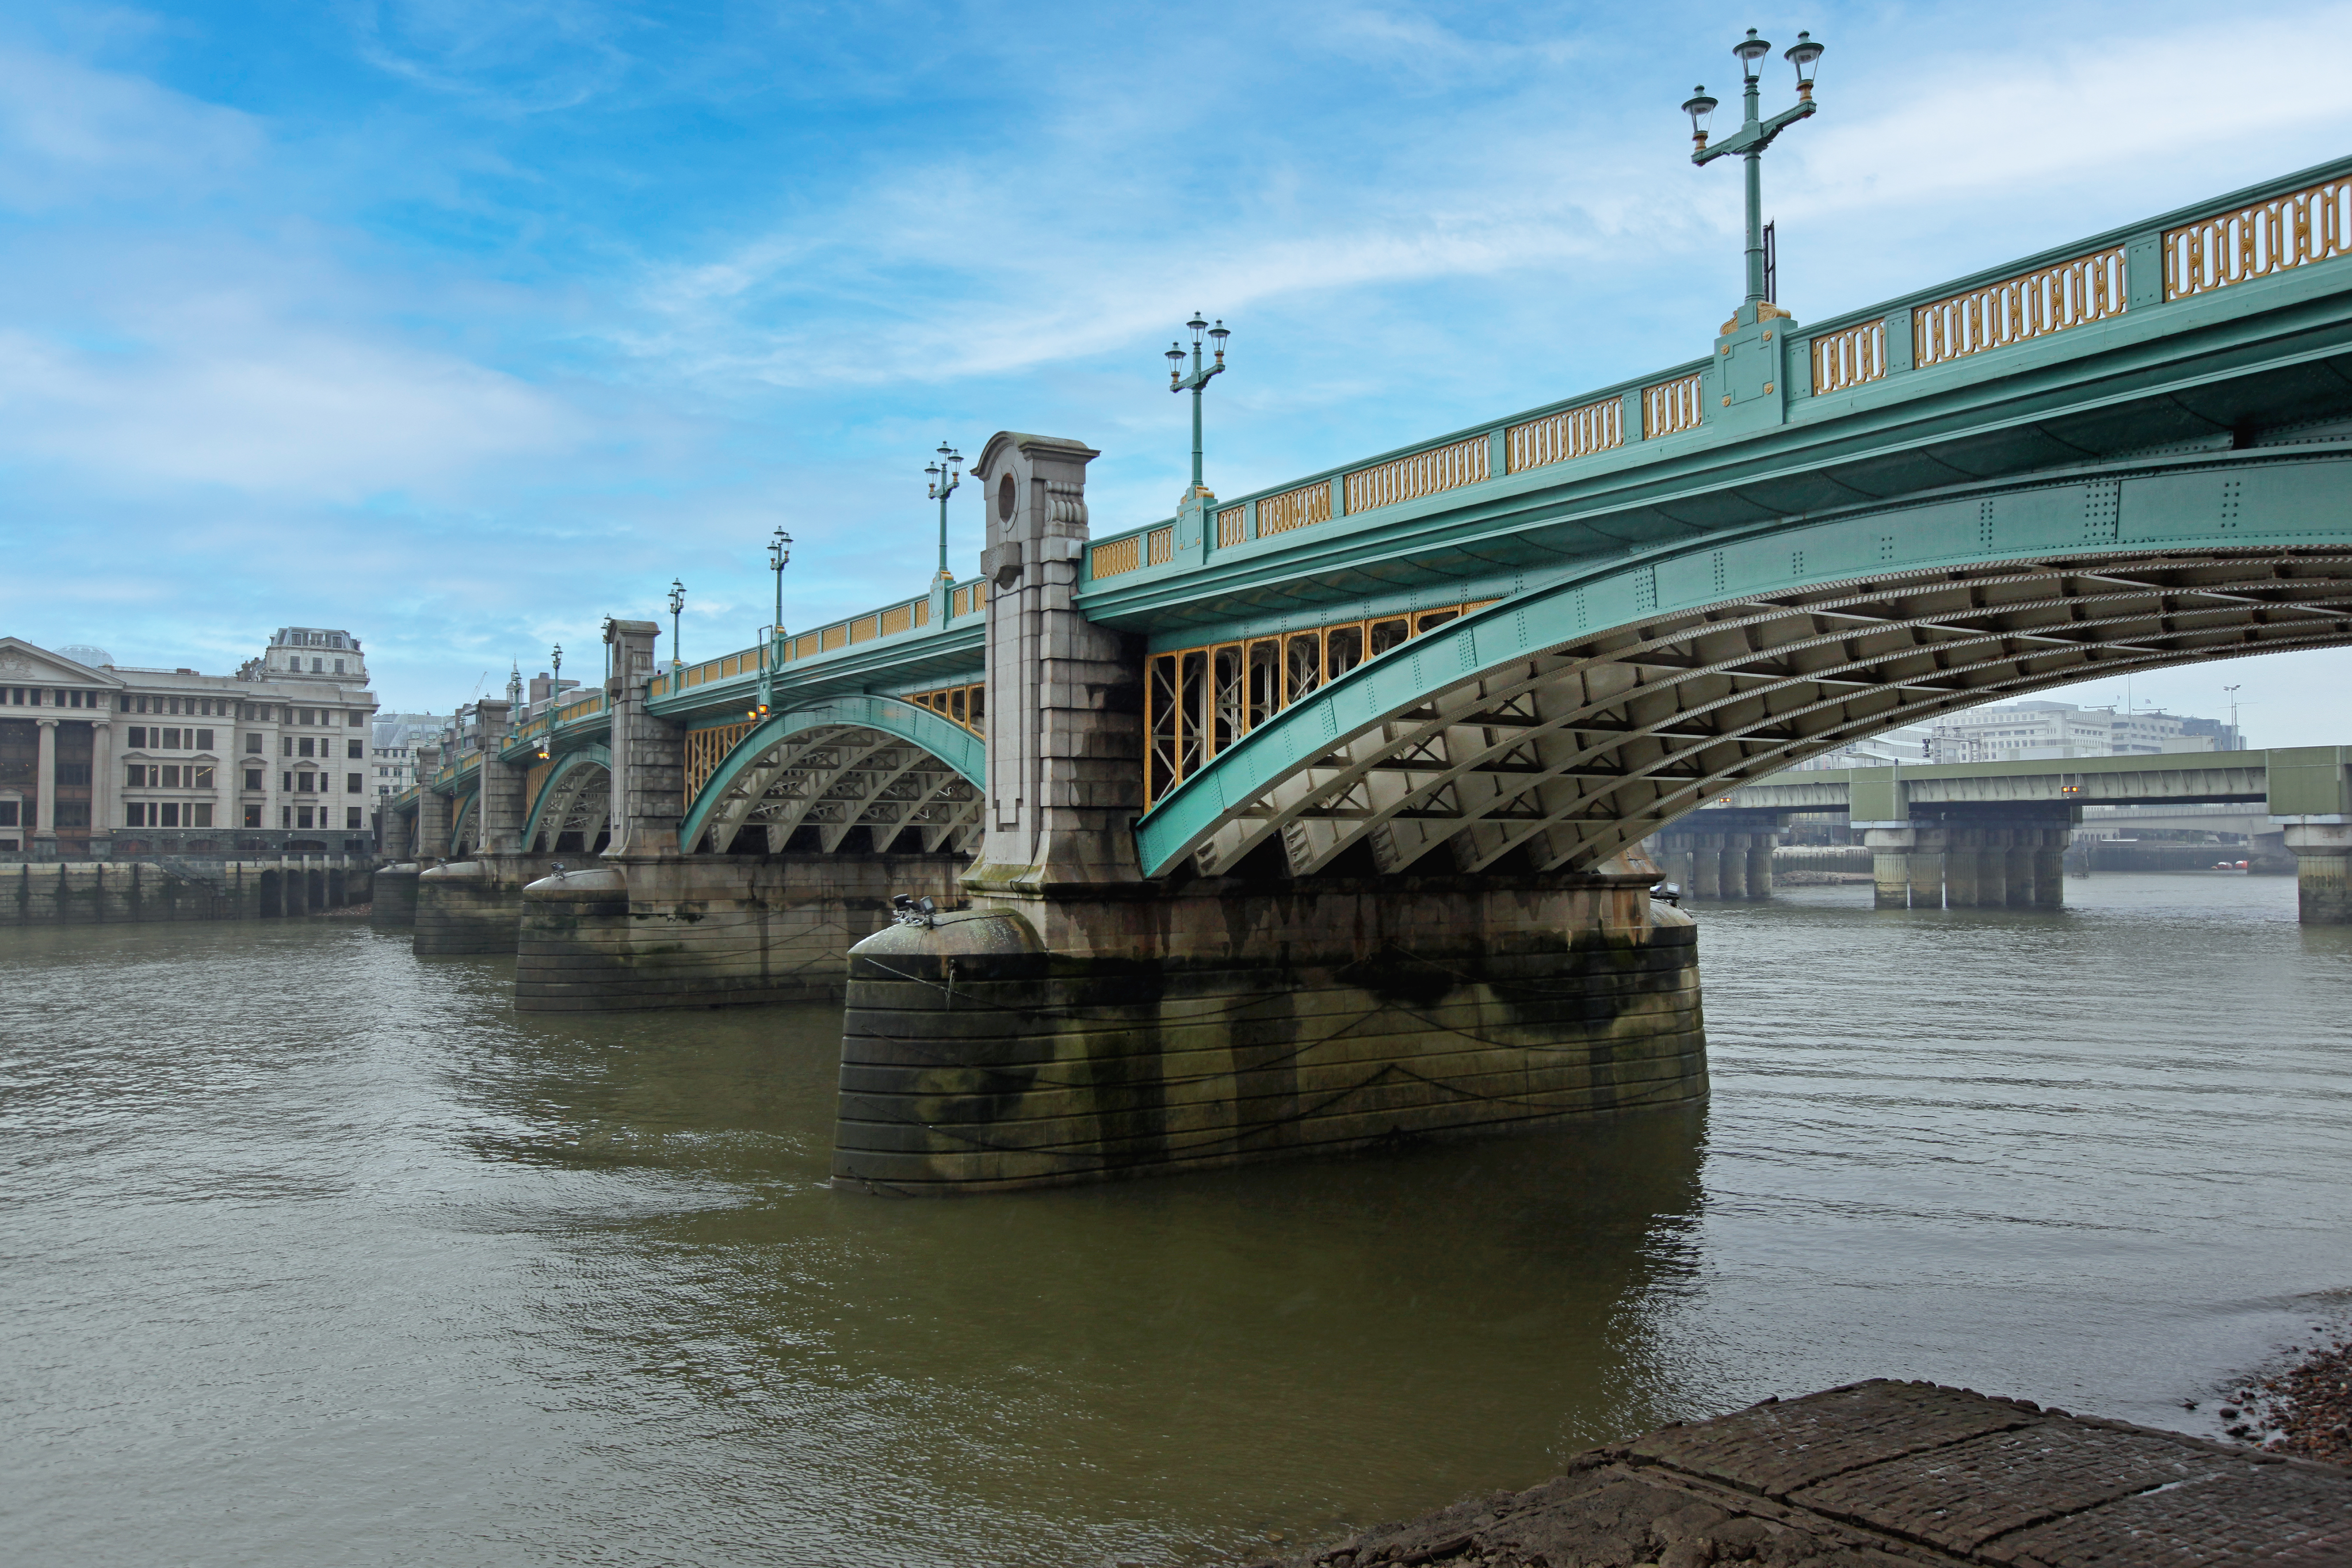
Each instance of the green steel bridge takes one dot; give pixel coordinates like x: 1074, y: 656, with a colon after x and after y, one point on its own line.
x: 1533, y: 643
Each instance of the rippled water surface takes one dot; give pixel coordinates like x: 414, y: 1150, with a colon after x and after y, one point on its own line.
x: 316, y: 1253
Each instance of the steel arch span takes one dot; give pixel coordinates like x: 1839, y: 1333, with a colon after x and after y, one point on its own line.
x: 575, y: 797
x: 866, y: 761
x: 466, y: 824
x: 1565, y: 723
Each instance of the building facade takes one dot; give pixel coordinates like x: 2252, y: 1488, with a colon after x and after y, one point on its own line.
x: 101, y: 762
x: 2013, y: 732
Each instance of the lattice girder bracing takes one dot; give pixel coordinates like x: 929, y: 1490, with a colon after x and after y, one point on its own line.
x: 837, y: 778
x: 1572, y: 753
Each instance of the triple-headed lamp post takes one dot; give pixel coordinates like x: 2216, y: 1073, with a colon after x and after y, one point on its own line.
x: 780, y: 555
x: 1755, y: 134
x: 945, y: 477
x: 1198, y: 380
x: 676, y: 604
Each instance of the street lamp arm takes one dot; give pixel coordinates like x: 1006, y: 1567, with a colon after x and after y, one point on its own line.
x: 1756, y: 137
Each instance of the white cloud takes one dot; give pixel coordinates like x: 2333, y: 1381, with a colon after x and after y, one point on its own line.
x: 70, y: 133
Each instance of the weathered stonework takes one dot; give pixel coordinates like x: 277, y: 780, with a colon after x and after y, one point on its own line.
x: 393, y: 908
x: 474, y: 905
x: 708, y: 931
x: 1062, y: 1039
x: 108, y: 892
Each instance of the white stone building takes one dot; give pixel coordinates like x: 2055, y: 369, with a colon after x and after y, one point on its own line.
x: 101, y: 760
x: 2014, y: 731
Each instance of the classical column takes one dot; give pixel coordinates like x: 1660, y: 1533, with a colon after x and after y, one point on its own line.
x: 1707, y: 866
x: 1924, y: 870
x: 1964, y: 849
x: 2050, y: 868
x: 105, y: 790
x: 1731, y: 866
x: 2323, y: 873
x: 1890, y: 865
x: 45, y: 780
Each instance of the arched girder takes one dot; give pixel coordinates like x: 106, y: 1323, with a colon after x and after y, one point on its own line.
x: 465, y: 825
x: 576, y: 796
x: 869, y: 762
x: 1574, y: 720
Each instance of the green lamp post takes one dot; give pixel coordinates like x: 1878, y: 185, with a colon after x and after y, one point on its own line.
x: 1755, y: 134
x: 1198, y: 381
x: 676, y: 604
x: 944, y: 479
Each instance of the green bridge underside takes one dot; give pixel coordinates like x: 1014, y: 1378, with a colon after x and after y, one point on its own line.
x: 1681, y: 615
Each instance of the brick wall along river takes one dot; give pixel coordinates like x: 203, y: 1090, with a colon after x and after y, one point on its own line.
x: 318, y: 1253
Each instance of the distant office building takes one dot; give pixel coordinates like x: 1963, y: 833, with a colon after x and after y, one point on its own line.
x: 392, y: 764
x: 2020, y: 732
x: 101, y: 760
x: 1909, y: 743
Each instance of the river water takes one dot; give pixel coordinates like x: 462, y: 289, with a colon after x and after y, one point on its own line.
x: 315, y: 1253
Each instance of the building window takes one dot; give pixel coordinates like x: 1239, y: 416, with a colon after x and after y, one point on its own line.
x: 203, y: 743
x: 355, y: 751
x: 304, y: 748
x: 318, y: 667
x: 352, y: 818
x: 253, y: 778
x: 358, y: 719
x: 8, y: 810
x: 303, y: 783
x: 171, y: 813
x: 285, y: 817
x: 135, y: 775
x: 286, y: 783
x: 135, y: 813
x: 253, y: 816
x: 200, y: 777
x: 353, y: 784
x: 286, y: 746
x: 302, y: 816
x: 202, y: 817
x: 339, y: 670
x: 253, y: 744
x: 73, y: 813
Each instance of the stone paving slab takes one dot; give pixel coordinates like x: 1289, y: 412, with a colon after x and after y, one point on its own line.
x: 1891, y: 1475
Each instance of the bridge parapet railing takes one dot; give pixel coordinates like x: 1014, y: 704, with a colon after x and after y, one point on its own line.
x: 961, y: 601
x: 2293, y: 222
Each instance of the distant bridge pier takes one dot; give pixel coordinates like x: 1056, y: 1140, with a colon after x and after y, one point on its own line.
x: 1719, y: 864
x: 2323, y: 873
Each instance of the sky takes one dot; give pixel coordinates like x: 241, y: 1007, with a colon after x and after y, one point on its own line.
x: 462, y: 324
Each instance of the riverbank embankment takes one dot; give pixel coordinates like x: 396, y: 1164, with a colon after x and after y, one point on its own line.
x: 1878, y: 1474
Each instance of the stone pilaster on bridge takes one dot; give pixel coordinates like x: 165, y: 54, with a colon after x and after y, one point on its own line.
x: 1065, y: 696
x: 433, y: 810
x: 500, y: 804
x: 649, y: 753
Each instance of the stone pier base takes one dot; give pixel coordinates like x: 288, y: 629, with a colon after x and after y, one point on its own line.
x: 1040, y: 1042
x: 395, y: 905
x: 708, y: 931
x: 2323, y: 869
x: 474, y: 905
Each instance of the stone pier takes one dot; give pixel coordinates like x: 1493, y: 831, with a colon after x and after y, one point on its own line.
x: 1077, y: 1022
x: 2322, y: 872
x: 394, y: 907
x: 473, y: 906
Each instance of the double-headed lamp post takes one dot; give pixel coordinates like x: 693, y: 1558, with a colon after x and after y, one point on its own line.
x: 1754, y: 135
x: 1198, y: 380
x: 944, y: 479
x: 780, y: 555
x: 676, y: 604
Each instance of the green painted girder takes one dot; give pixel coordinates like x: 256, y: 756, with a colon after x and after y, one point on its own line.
x: 2295, y: 497
x: 909, y: 660
x: 571, y: 759
x: 595, y: 730
x: 952, y: 744
x: 458, y: 814
x: 2258, y: 354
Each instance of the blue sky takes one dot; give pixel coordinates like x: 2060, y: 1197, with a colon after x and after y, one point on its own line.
x: 465, y: 324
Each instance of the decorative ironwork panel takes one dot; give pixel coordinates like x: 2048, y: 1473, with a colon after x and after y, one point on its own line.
x: 1114, y: 556
x: 1671, y: 407
x: 1851, y: 357
x: 807, y: 644
x: 1571, y: 433
x: 1199, y: 701
x: 1162, y: 544
x: 834, y: 636
x: 1294, y: 508
x: 2032, y: 305
x: 1233, y: 525
x: 963, y: 705
x: 960, y: 604
x: 2293, y: 230
x: 897, y: 618
x: 1445, y: 468
x: 705, y: 750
